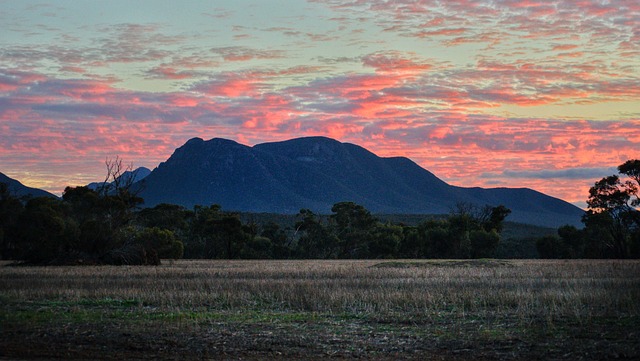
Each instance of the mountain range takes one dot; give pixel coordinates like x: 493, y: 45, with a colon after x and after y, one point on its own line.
x: 317, y: 172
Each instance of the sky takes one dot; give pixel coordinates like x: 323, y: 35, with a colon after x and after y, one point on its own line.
x: 503, y: 93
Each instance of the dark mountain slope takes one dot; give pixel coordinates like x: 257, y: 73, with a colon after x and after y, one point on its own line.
x: 317, y: 172
x: 217, y: 171
x: 529, y: 206
x: 20, y: 190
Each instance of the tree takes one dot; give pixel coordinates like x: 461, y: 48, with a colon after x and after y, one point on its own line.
x: 224, y: 235
x: 551, y: 247
x: 474, y: 231
x: 385, y: 241
x: 119, y: 179
x: 411, y: 243
x: 435, y: 240
x: 45, y: 234
x: 161, y: 241
x: 257, y: 248
x: 612, y: 205
x: 483, y: 243
x: 568, y: 243
x: 118, y: 198
x: 315, y: 240
x: 353, y: 224
x: 86, y: 207
x: 10, y: 209
x: 280, y: 243
x: 573, y: 240
x: 496, y: 219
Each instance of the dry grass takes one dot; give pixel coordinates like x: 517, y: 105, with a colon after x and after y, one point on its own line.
x: 483, y: 300
x: 522, y: 288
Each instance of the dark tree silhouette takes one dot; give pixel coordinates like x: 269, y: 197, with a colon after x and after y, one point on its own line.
x: 612, y: 205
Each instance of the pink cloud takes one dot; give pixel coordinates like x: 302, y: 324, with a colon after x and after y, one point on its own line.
x: 563, y: 47
x: 462, y: 22
x: 231, y: 85
x: 395, y: 62
x: 167, y: 72
x: 73, y: 69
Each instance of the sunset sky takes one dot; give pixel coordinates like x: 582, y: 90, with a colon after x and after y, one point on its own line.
x: 504, y: 93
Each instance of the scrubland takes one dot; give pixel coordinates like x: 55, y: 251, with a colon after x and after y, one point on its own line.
x: 408, y: 309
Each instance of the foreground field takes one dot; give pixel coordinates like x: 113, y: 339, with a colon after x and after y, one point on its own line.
x: 486, y: 309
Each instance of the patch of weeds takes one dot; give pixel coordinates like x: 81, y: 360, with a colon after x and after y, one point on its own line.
x: 111, y: 302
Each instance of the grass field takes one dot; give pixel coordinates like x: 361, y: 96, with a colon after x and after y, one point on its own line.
x: 456, y: 309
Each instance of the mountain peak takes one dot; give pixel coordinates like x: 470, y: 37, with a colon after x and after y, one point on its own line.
x: 193, y: 141
x: 308, y: 149
x: 199, y: 142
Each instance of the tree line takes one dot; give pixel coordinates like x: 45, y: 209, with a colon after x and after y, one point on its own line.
x: 86, y: 227
x: 107, y: 226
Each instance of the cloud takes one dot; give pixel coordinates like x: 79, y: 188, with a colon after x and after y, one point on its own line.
x: 454, y: 23
x: 183, y: 67
x: 569, y: 173
x: 241, y: 53
x: 120, y: 43
x: 168, y: 72
x: 395, y: 62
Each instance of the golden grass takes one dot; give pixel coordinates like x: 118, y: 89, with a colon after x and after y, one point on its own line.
x: 525, y: 289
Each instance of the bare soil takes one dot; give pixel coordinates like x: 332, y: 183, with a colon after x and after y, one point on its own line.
x: 326, y: 336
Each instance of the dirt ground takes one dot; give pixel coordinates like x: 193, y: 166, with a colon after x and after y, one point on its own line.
x: 326, y: 338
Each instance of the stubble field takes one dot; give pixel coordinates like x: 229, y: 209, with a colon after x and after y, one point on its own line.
x: 455, y: 309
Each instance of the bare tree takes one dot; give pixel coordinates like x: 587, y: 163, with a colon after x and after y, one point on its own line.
x: 119, y: 179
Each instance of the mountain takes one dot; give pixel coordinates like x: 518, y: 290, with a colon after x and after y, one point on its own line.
x: 317, y: 172
x: 135, y: 175
x: 20, y: 190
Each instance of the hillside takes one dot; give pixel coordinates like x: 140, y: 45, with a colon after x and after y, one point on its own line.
x: 20, y: 190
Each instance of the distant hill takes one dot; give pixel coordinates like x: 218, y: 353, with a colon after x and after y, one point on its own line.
x: 137, y: 174
x: 317, y: 172
x: 20, y: 190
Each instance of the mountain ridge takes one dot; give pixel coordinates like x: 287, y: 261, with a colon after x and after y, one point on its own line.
x: 18, y: 189
x: 317, y: 172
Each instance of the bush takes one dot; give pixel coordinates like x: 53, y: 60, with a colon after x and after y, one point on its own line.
x: 552, y: 247
x: 161, y: 241
x: 483, y: 243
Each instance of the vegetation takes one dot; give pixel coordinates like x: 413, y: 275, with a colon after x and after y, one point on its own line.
x: 85, y: 227
x: 89, y: 227
x: 612, y: 221
x: 106, y: 226
x: 418, y: 309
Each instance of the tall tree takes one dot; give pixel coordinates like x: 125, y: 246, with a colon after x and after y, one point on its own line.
x: 46, y: 234
x: 354, y: 225
x: 315, y: 240
x: 10, y: 209
x: 612, y: 205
